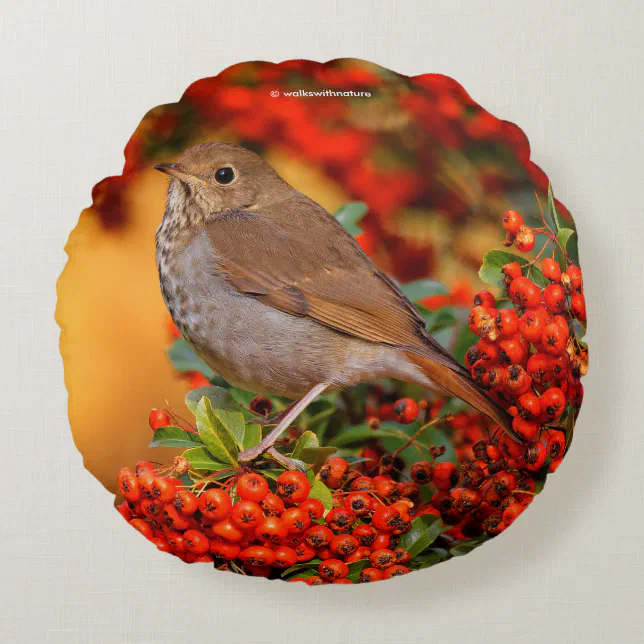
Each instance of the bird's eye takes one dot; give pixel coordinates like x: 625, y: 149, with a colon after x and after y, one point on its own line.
x: 224, y: 175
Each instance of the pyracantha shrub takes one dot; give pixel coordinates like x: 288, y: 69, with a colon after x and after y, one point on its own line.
x: 390, y: 483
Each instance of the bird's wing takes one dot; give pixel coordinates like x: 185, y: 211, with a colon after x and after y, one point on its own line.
x: 329, y: 279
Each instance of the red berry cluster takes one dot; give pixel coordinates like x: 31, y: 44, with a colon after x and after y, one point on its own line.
x: 473, y: 498
x: 528, y: 356
x: 244, y: 525
x: 484, y: 495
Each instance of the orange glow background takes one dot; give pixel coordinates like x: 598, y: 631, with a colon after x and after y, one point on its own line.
x: 435, y: 169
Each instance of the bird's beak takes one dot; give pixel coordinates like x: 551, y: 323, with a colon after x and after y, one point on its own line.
x: 178, y: 172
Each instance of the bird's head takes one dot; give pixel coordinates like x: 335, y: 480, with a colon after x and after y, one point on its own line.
x: 216, y: 177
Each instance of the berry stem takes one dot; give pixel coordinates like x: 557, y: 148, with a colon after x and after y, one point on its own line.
x: 174, y: 415
x: 416, y: 434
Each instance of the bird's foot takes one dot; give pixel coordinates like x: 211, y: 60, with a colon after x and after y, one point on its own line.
x: 267, y: 444
x: 286, y: 462
x: 269, y: 420
x: 249, y: 456
x: 246, y: 458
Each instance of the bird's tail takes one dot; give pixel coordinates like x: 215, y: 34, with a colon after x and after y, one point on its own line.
x: 459, y: 384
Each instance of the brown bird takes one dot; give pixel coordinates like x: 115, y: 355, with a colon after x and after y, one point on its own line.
x: 277, y: 298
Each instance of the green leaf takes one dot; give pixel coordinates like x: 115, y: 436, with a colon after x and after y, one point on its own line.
x: 540, y: 479
x: 361, y: 433
x: 573, y: 250
x: 320, y: 491
x: 534, y: 273
x: 318, y: 420
x: 317, y: 414
x: 201, y: 459
x: 552, y: 207
x: 305, y: 441
x: 236, y: 568
x: 316, y: 456
x: 233, y: 421
x: 424, y: 530
x: 464, y: 340
x: 467, y: 547
x: 241, y: 396
x: 563, y: 236
x: 214, y: 434
x: 353, y: 459
x: 218, y: 396
x: 430, y: 436
x: 495, y: 260
x: 434, y: 436
x: 174, y: 436
x: 271, y: 473
x: 454, y: 406
x: 420, y: 289
x: 445, y: 318
x: 350, y: 214
x: 183, y: 358
x: 580, y: 329
x: 430, y: 558
x: 356, y: 568
x: 305, y: 574
x: 313, y: 564
x: 252, y: 435
x: 392, y: 435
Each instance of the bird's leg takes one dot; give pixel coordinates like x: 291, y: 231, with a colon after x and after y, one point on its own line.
x: 275, y: 419
x: 294, y: 410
